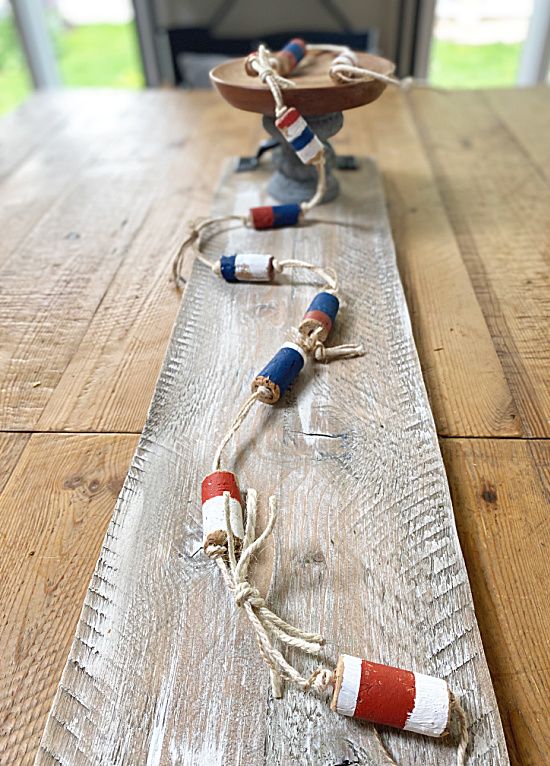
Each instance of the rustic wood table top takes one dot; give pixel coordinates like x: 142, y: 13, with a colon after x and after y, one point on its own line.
x: 96, y: 192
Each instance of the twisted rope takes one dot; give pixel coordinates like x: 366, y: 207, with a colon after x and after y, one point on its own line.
x: 265, y: 623
x: 265, y: 65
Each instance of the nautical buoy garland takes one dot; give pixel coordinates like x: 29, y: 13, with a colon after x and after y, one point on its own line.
x: 362, y: 689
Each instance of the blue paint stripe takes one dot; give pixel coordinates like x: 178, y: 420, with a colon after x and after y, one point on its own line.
x: 303, y: 139
x: 284, y: 368
x: 285, y: 215
x: 296, y: 49
x: 227, y: 267
x: 327, y: 303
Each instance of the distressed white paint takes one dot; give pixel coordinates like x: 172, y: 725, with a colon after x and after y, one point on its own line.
x: 213, y: 516
x: 349, y: 690
x: 430, y: 714
x: 253, y: 267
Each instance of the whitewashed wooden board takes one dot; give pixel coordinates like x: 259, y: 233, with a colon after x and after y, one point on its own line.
x: 163, y: 668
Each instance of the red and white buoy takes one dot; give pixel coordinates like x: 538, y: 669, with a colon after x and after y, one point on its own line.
x: 214, y: 526
x: 391, y: 697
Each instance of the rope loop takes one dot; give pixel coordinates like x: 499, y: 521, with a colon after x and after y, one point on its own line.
x: 266, y: 624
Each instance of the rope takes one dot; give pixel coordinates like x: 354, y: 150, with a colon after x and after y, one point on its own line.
x: 193, y: 240
x: 462, y: 745
x: 321, y: 188
x: 237, y: 423
x: 265, y: 66
x: 328, y: 274
x: 262, y: 619
x: 348, y: 70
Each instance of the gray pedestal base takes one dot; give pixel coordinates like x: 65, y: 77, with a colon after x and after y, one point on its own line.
x: 293, y: 181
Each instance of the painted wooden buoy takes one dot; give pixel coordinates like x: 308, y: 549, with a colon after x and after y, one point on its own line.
x: 213, y: 509
x: 279, y: 373
x: 299, y: 135
x: 391, y: 697
x: 275, y: 216
x: 320, y: 315
x: 290, y: 56
x: 247, y: 267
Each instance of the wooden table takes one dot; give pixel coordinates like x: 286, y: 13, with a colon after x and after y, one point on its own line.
x: 96, y: 192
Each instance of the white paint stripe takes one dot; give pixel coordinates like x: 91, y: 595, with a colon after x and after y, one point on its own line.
x: 310, y: 151
x: 252, y: 267
x: 213, y: 516
x: 431, y: 706
x: 296, y: 129
x: 296, y: 347
x: 349, y: 691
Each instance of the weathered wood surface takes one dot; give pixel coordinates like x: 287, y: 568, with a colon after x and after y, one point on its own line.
x: 54, y: 508
x: 107, y: 359
x: 500, y: 491
x: 468, y: 391
x: 377, y: 567
x: 500, y: 220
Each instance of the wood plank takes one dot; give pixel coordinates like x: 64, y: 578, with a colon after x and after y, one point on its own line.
x: 25, y: 130
x: 108, y: 384
x: 11, y: 447
x: 61, y: 136
x: 54, y: 511
x: 468, y: 392
x: 526, y: 114
x: 52, y: 285
x: 83, y: 336
x: 354, y: 446
x: 497, y: 203
x: 500, y: 495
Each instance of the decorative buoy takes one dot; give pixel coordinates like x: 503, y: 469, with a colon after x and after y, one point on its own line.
x: 300, y: 136
x: 247, y: 267
x: 279, y: 373
x: 275, y: 216
x: 391, y: 697
x: 213, y: 509
x: 290, y: 56
x: 320, y: 315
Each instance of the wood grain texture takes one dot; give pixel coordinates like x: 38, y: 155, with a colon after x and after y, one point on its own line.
x: 500, y: 493
x: 54, y: 509
x: 11, y: 447
x: 92, y: 219
x: 468, y: 392
x: 497, y: 201
x: 163, y: 669
x: 525, y: 114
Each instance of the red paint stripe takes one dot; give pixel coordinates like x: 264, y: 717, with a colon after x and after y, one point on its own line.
x: 288, y: 119
x: 291, y: 58
x: 262, y: 217
x: 386, y: 695
x: 321, y: 317
x: 215, y: 484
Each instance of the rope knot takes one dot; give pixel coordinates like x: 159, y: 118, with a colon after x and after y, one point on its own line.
x: 245, y: 592
x: 266, y: 624
x: 320, y: 679
x: 313, y: 346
